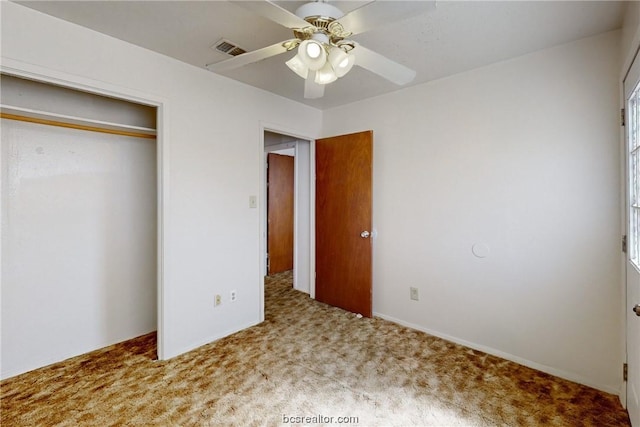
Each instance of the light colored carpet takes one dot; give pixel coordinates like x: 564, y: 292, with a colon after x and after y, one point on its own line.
x: 306, y: 360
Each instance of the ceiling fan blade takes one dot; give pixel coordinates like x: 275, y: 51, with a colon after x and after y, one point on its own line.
x: 383, y: 66
x: 312, y: 90
x: 248, y: 58
x: 378, y: 13
x: 273, y: 12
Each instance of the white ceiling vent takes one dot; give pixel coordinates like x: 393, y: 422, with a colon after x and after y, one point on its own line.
x: 230, y: 48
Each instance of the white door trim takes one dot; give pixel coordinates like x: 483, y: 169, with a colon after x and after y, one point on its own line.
x: 46, y: 75
x: 632, y: 274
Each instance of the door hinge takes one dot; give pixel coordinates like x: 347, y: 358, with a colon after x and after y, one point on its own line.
x: 622, y: 117
x: 624, y: 243
x: 625, y: 372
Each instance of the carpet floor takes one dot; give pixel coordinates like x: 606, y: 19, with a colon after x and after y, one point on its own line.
x: 307, y: 364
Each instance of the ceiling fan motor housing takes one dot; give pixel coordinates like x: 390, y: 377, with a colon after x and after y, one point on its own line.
x: 319, y: 12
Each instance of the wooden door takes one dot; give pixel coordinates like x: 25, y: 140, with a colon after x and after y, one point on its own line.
x: 280, y: 212
x: 343, y: 219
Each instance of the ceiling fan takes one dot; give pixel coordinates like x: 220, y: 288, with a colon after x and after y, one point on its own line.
x: 322, y: 34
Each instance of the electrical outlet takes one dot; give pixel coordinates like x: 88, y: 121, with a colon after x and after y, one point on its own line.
x: 218, y: 300
x: 233, y: 296
x: 413, y: 294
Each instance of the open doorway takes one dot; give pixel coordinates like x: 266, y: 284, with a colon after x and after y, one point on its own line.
x: 306, y: 242
x: 287, y: 214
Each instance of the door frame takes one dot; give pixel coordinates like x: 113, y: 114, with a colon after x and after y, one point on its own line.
x: 262, y: 208
x: 46, y: 75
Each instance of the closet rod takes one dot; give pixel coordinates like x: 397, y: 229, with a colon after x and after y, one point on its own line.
x: 74, y: 126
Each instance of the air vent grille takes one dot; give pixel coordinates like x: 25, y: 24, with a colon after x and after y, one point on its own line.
x: 230, y: 48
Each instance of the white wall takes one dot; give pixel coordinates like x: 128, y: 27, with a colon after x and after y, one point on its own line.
x: 630, y: 34
x: 291, y: 152
x: 302, y: 262
x: 79, y: 239
x: 272, y: 138
x: 212, y: 153
x: 521, y: 156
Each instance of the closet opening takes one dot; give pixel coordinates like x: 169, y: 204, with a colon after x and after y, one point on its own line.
x: 80, y: 226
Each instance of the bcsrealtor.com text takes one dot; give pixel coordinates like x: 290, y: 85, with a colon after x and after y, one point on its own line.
x: 318, y: 419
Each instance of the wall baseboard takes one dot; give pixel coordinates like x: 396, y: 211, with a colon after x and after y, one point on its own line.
x: 209, y: 340
x: 519, y: 360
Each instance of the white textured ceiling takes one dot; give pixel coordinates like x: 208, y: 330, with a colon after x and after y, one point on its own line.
x: 453, y: 37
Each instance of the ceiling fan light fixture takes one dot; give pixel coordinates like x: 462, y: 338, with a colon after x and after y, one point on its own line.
x: 341, y: 61
x: 313, y: 50
x: 312, y: 54
x: 297, y: 66
x: 326, y: 75
x: 323, y: 41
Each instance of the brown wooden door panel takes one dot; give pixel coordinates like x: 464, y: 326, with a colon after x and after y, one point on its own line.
x: 344, y: 167
x: 280, y: 179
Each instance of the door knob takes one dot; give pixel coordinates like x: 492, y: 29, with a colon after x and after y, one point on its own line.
x: 636, y: 309
x: 365, y: 235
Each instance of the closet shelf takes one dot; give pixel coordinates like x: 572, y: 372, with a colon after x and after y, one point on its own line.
x: 47, y: 118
